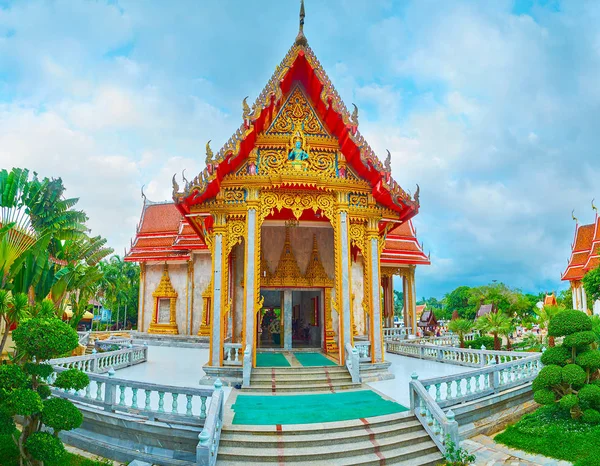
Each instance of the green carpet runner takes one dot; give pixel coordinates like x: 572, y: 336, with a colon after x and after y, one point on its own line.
x: 308, y: 409
x: 313, y: 359
x: 271, y: 360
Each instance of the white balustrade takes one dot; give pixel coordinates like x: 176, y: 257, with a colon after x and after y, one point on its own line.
x: 247, y: 370
x: 353, y: 362
x: 232, y: 354
x: 364, y: 350
x: 102, y: 362
x: 396, y: 333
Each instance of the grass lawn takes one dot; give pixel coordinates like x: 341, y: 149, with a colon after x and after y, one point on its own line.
x: 553, y: 433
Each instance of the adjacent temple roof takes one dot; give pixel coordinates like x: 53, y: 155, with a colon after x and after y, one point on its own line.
x: 585, y: 251
x: 300, y: 65
x: 164, y: 235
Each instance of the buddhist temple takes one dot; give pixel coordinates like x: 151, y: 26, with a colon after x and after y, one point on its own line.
x: 585, y: 256
x: 291, y: 235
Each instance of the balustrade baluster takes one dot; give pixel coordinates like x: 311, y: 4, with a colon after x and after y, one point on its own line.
x: 98, y: 391
x: 422, y: 410
x: 88, y: 391
x: 458, y: 388
x: 122, y: 396
x: 174, y: 404
x: 468, y: 386
x: 203, y: 407
x: 161, y: 402
x: 188, y: 406
x: 438, y: 395
x: 448, y: 390
x: 147, y: 402
x: 134, y: 398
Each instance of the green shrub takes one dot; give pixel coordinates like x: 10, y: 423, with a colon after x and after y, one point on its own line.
x: 548, y: 376
x: 11, y: 378
x: 557, y: 355
x: 590, y: 460
x: 569, y: 322
x: 7, y: 424
x: 591, y: 416
x: 544, y: 396
x: 589, y: 360
x: 478, y: 342
x: 574, y: 375
x: 9, y: 453
x: 42, y: 446
x: 72, y: 379
x: 41, y: 370
x: 24, y: 402
x: 568, y: 401
x: 579, y: 339
x: 589, y: 395
x: 44, y: 391
x: 45, y: 338
x: 61, y: 414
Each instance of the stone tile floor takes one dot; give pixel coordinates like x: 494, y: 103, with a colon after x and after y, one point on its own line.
x: 490, y: 453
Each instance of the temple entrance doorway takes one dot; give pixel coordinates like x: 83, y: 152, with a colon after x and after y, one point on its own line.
x: 291, y: 319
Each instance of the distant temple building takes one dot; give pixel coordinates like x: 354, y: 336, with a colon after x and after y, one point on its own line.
x: 289, y: 238
x: 585, y: 256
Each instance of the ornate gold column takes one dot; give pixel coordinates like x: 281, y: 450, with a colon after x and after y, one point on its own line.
x: 342, y: 273
x: 204, y: 330
x: 373, y: 291
x: 412, y: 300
x: 219, y: 285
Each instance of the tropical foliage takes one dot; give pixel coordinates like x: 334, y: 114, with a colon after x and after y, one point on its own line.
x: 119, y: 287
x: 591, y: 283
x: 497, y: 324
x: 461, y: 327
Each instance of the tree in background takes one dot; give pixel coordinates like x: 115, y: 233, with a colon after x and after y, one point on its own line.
x: 121, y: 284
x: 565, y: 298
x: 461, y: 327
x: 458, y: 300
x: 591, y: 283
x: 398, y: 303
x: 545, y: 314
x: 13, y: 309
x: 497, y: 324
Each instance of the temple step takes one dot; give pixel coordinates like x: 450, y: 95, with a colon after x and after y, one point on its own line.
x: 393, y: 439
x: 300, y: 379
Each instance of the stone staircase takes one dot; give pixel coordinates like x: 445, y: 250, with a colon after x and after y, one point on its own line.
x: 390, y: 439
x: 300, y: 379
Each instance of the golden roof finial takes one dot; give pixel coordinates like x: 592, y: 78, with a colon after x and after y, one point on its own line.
x: 300, y: 38
x: 593, y: 206
x: 209, y: 153
x: 573, y: 215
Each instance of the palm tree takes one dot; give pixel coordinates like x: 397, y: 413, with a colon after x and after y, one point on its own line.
x: 461, y: 327
x: 12, y: 310
x: 495, y: 323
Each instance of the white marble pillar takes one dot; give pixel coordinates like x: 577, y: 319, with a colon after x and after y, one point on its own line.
x: 377, y: 354
x: 583, y: 299
x: 216, y: 343
x: 344, y: 300
x: 574, y: 296
x: 250, y: 297
x: 287, y: 319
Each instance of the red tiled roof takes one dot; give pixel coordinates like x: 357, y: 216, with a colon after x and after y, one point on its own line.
x: 163, y: 234
x: 402, y: 246
x: 584, y: 251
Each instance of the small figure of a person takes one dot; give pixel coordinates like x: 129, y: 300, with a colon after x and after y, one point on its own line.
x: 297, y: 153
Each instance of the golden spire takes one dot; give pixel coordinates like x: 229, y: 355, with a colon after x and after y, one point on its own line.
x: 209, y: 153
x: 300, y: 38
x: 593, y: 206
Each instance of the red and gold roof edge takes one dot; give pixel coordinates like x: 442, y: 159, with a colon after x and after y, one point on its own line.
x: 299, y: 64
x: 585, y: 251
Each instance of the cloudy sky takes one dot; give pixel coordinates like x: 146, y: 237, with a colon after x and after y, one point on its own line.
x: 493, y: 107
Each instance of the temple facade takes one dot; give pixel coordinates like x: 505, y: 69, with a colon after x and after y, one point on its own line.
x: 290, y: 237
x: 585, y: 256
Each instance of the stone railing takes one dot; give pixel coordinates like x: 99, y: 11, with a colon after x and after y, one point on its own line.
x: 428, y: 397
x: 106, y: 345
x: 232, y: 354
x: 364, y: 350
x: 208, y: 445
x: 459, y: 356
x: 84, y: 338
x: 247, y: 370
x: 396, y: 333
x: 102, y: 362
x: 353, y: 362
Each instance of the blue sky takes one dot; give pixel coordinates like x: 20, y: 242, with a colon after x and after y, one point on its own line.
x: 493, y: 107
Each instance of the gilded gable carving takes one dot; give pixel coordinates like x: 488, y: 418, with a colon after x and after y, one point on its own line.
x: 297, y: 113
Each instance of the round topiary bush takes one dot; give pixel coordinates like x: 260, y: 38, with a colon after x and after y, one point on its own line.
x: 579, y: 339
x: 24, y: 402
x: 7, y: 424
x: 574, y: 375
x: 557, y: 355
x: 41, y: 370
x: 589, y: 359
x: 61, y: 414
x: 591, y: 416
x: 544, y: 396
x: 45, y: 338
x: 568, y: 401
x: 548, y: 376
x: 11, y: 378
x: 589, y: 396
x: 43, y: 446
x: 72, y: 379
x: 569, y: 322
x: 44, y: 391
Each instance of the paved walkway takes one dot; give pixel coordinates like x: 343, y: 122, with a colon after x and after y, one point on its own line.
x: 490, y: 453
